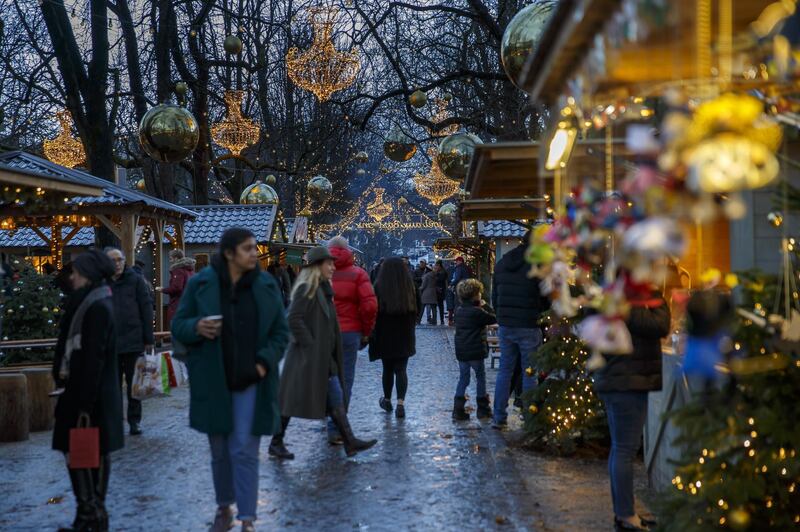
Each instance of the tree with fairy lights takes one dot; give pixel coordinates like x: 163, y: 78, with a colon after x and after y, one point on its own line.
x: 739, y: 468
x: 563, y: 412
x: 30, y: 310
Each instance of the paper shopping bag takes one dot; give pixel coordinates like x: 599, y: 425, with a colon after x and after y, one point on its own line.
x: 84, y: 445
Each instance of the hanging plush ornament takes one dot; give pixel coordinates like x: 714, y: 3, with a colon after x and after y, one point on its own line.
x: 418, y: 99
x: 399, y: 147
x: 168, y: 133
x: 455, y: 154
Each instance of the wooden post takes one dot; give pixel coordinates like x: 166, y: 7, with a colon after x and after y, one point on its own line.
x: 158, y: 263
x: 127, y: 231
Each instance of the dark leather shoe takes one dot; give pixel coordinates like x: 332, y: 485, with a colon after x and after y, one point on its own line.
x: 279, y: 450
x: 135, y: 429
x: 385, y: 404
x: 622, y: 526
x: 400, y: 412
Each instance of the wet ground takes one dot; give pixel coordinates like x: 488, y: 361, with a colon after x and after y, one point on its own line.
x: 426, y: 473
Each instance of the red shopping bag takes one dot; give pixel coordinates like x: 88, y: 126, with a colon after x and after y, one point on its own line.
x: 173, y: 381
x: 84, y: 445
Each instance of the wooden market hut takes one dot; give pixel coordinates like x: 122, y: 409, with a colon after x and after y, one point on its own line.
x: 585, y: 53
x: 126, y: 213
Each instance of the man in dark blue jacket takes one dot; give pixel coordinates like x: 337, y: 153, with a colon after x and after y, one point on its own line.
x: 133, y: 314
x: 518, y: 303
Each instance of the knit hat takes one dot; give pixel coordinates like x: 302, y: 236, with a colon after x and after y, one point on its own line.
x: 94, y: 265
x: 318, y: 254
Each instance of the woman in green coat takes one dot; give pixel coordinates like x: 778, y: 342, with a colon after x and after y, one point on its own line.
x: 311, y: 384
x: 231, y: 320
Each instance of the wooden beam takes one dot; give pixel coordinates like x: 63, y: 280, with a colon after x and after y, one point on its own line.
x: 72, y: 233
x: 110, y: 225
x: 157, y: 226
x: 40, y: 234
x: 127, y: 236
x: 35, y: 181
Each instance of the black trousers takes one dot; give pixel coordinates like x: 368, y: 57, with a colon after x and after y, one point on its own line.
x: 394, y: 373
x: 441, y: 310
x: 127, y: 364
x: 431, y: 313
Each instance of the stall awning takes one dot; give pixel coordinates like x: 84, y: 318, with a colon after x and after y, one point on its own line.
x: 10, y: 175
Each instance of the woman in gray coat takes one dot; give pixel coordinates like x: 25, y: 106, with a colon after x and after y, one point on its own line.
x: 430, y: 298
x: 311, y: 383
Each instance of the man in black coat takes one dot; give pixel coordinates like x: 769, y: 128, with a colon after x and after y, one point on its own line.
x: 133, y: 314
x: 518, y: 303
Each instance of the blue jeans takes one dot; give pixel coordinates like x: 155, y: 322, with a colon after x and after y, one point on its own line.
x: 234, y: 458
x: 516, y: 343
x: 626, y: 412
x: 351, y: 341
x: 464, y: 373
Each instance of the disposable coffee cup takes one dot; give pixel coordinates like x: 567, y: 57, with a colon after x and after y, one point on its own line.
x: 215, y: 317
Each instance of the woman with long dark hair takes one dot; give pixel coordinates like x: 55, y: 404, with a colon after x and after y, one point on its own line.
x: 393, y: 340
x: 86, y: 366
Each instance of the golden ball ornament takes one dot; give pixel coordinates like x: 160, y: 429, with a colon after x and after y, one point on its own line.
x: 528, y: 371
x: 232, y: 45
x: 447, y: 215
x: 739, y: 519
x: 533, y: 409
x: 270, y: 180
x: 319, y: 189
x: 418, y: 99
x: 181, y: 88
x: 168, y: 133
x: 455, y: 154
x: 398, y: 146
x: 140, y: 185
x: 362, y: 157
x: 775, y: 219
x: 259, y: 194
x: 192, y: 33
x: 521, y: 37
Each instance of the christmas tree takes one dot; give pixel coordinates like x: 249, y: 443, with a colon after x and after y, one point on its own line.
x: 30, y: 310
x: 739, y: 468
x: 563, y: 412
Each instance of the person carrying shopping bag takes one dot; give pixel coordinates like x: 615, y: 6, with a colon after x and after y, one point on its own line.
x: 232, y: 323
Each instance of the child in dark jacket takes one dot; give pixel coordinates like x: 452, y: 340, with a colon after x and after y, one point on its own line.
x: 472, y: 317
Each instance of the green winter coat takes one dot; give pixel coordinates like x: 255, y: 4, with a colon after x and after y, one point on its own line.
x: 210, y: 409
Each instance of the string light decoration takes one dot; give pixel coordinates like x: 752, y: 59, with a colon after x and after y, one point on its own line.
x: 442, y: 113
x: 236, y: 132
x: 434, y: 186
x: 322, y: 69
x: 379, y: 209
x: 65, y: 149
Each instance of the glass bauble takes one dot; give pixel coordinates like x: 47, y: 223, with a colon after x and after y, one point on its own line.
x: 455, y: 154
x: 398, y: 146
x: 259, y: 194
x: 319, y: 189
x: 232, y: 45
x: 447, y: 215
x: 418, y: 99
x: 168, y: 133
x: 521, y: 38
x: 270, y: 180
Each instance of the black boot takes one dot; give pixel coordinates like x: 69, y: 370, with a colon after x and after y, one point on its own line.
x: 352, y: 445
x: 86, y: 518
x: 484, y: 410
x: 101, y: 477
x: 276, y: 446
x: 459, y: 412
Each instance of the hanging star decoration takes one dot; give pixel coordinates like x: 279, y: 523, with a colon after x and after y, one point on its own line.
x: 434, y: 186
x: 322, y: 69
x: 65, y: 149
x: 236, y: 132
x: 379, y: 208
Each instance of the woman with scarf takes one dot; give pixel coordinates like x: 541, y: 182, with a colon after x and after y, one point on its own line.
x: 86, y: 366
x: 313, y: 376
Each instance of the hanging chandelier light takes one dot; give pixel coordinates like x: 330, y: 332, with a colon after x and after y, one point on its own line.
x: 434, y: 186
x: 378, y: 209
x: 236, y: 132
x: 322, y: 69
x: 65, y: 149
x: 442, y: 113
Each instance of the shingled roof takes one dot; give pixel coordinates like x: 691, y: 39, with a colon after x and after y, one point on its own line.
x: 500, y: 229
x: 213, y: 220
x: 113, y: 194
x: 25, y: 237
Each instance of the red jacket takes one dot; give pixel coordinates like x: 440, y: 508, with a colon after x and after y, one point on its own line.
x: 356, y: 304
x: 179, y: 274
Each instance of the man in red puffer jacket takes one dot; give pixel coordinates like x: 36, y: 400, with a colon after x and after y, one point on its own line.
x: 356, y: 309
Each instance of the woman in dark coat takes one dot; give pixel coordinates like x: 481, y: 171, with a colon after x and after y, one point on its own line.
x: 393, y: 339
x: 86, y: 366
x: 623, y: 385
x: 313, y: 375
x: 441, y: 288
